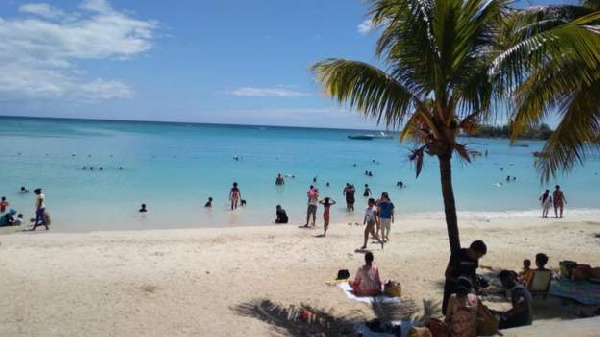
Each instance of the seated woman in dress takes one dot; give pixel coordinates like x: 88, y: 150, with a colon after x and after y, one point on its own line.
x: 461, y: 315
x: 366, y: 281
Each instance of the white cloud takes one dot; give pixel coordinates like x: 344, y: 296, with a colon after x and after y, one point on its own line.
x: 39, y: 54
x: 365, y: 27
x: 265, y: 92
x: 43, y: 10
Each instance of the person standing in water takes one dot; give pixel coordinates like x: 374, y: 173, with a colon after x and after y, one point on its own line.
x: 40, y: 209
x: 349, y: 193
x: 367, y: 192
x: 327, y: 203
x: 546, y: 202
x: 559, y: 200
x: 234, y: 196
x: 279, y: 180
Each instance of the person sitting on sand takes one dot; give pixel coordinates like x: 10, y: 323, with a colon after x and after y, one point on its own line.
x: 143, y: 209
x: 209, y: 202
x: 371, y: 221
x: 18, y: 220
x: 327, y: 202
x: 279, y: 179
x: 280, y: 215
x: 521, y: 313
x: 366, y: 281
x: 463, y: 306
x: 234, y: 196
x: 546, y: 202
x: 527, y: 273
x: 465, y: 263
x: 559, y: 201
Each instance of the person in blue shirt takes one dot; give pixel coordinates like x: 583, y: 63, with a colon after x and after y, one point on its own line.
x: 385, y: 209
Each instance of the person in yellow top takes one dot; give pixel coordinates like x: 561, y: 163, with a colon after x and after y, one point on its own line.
x: 527, y: 273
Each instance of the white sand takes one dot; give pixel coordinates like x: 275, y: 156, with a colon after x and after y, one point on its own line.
x: 186, y: 282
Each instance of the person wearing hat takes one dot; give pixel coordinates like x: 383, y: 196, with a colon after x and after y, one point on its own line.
x: 40, y: 209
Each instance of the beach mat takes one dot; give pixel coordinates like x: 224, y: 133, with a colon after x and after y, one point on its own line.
x: 583, y: 292
x: 366, y: 299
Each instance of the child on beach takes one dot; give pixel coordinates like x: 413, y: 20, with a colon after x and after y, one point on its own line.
x: 234, y: 196
x: 527, y: 273
x: 3, y: 205
x: 371, y: 221
x: 209, y: 202
x: 327, y: 202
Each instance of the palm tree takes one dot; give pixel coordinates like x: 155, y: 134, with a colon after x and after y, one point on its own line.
x: 552, y: 65
x: 435, y: 57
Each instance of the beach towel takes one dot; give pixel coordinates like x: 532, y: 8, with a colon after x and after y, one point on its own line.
x: 583, y: 292
x: 366, y: 299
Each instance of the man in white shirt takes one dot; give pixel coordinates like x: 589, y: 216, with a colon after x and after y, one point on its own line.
x: 40, y: 209
x: 371, y: 221
x: 313, y: 203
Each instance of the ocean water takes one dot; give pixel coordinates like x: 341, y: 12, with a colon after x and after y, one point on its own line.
x: 175, y: 167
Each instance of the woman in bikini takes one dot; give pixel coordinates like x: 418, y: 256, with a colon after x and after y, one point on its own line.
x: 327, y: 202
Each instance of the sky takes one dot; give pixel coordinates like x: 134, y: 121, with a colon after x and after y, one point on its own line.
x: 226, y: 61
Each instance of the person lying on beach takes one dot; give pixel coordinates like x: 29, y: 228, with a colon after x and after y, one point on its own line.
x: 366, y: 281
x: 370, y: 221
x: 465, y: 263
x: 461, y: 315
x: 280, y: 215
x: 521, y: 313
x: 209, y: 202
x: 327, y: 202
x: 143, y: 209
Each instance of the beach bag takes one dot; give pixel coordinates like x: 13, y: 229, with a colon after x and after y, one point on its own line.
x: 436, y: 327
x: 392, y: 289
x: 419, y: 332
x: 487, y: 323
x: 343, y: 274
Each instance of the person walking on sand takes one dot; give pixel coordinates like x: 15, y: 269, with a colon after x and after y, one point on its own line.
x: 40, y: 209
x: 370, y: 221
x: 313, y: 202
x: 385, y: 209
x: 559, y: 200
x: 327, y: 203
x: 546, y: 202
x: 234, y: 196
x: 349, y: 193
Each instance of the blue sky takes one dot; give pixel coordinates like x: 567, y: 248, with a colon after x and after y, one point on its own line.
x: 225, y: 61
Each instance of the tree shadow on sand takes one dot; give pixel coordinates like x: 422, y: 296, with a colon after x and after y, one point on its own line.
x: 305, y: 320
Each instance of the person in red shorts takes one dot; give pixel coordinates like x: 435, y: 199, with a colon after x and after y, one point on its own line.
x: 327, y: 202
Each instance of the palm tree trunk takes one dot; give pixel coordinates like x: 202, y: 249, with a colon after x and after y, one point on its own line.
x: 449, y: 204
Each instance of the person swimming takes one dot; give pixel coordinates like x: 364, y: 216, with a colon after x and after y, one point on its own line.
x: 143, y: 209
x: 209, y: 202
x: 24, y: 190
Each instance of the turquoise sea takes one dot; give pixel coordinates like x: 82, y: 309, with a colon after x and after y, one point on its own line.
x: 175, y: 167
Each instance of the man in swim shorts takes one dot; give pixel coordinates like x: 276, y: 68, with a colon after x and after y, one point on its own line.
x: 559, y: 201
x: 313, y: 202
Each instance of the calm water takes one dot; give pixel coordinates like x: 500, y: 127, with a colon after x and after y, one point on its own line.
x: 174, y: 168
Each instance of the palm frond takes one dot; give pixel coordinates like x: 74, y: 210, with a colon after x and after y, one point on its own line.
x: 367, y: 89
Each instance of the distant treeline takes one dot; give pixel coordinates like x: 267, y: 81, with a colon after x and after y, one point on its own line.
x: 541, y: 132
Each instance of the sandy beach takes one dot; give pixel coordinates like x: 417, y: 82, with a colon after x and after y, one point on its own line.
x: 189, y: 282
